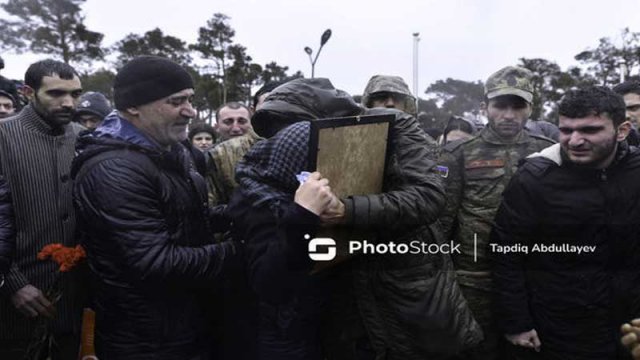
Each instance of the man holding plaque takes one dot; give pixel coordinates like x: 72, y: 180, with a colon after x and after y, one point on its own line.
x: 373, y: 305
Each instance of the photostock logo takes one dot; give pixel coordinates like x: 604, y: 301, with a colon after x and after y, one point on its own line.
x: 327, y: 243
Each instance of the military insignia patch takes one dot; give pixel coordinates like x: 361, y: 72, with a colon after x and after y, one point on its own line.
x: 493, y: 163
x: 442, y: 171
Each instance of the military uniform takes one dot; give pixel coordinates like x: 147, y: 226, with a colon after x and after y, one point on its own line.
x: 221, y: 166
x: 478, y: 171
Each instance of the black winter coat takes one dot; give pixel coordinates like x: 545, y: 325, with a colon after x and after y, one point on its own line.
x: 290, y: 301
x: 145, y: 225
x: 576, y: 302
x: 7, y: 228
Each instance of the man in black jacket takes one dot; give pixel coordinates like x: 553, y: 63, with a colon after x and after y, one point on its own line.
x: 565, y: 240
x: 147, y: 228
x: 7, y: 229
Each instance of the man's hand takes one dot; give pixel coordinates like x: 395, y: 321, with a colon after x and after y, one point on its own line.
x: 31, y: 301
x: 315, y: 194
x: 631, y: 337
x: 334, y: 214
x: 527, y: 339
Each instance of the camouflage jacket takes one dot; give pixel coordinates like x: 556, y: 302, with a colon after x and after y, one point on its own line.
x: 221, y: 166
x: 479, y: 169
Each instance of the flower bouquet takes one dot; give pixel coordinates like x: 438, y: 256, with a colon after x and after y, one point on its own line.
x: 67, y: 258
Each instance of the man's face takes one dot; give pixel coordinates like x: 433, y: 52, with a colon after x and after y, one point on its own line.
x: 386, y: 99
x: 591, y: 141
x: 507, y: 115
x: 233, y: 122
x: 166, y: 120
x: 90, y: 121
x: 6, y: 107
x: 632, y: 103
x: 56, y: 99
x: 203, y: 141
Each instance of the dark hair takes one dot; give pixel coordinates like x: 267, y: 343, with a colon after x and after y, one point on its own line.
x: 232, y: 105
x: 593, y: 100
x: 458, y: 123
x: 268, y: 87
x: 628, y: 87
x: 8, y: 89
x: 201, y: 127
x: 49, y: 67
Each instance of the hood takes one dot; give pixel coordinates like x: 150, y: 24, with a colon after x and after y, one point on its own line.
x: 392, y: 84
x: 302, y: 99
x: 117, y: 128
x: 555, y: 154
x: 113, y: 133
x: 268, y: 171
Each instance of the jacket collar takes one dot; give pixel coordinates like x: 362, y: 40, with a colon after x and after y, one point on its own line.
x: 489, y: 135
x: 555, y: 154
x: 32, y: 121
x: 116, y: 127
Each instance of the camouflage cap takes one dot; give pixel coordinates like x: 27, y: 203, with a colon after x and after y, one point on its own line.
x: 392, y: 84
x: 511, y: 80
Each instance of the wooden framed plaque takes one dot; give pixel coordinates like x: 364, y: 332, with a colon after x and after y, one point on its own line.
x: 351, y: 152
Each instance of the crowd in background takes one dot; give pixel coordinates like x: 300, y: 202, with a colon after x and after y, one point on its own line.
x: 197, y: 236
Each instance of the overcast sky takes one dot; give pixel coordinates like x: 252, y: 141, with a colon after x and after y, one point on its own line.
x: 462, y: 39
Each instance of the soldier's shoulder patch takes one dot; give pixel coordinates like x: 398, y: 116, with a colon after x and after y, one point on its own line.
x: 484, y: 163
x: 442, y: 171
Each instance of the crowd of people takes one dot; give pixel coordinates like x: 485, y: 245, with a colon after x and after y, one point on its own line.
x: 197, y: 236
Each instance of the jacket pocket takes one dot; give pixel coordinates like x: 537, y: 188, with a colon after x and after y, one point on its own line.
x: 484, y: 186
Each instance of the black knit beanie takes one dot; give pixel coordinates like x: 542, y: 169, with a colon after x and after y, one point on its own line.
x: 146, y: 79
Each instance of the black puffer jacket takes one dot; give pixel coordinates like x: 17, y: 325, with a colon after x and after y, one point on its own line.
x: 7, y: 229
x: 145, y: 225
x: 575, y: 301
x: 405, y: 306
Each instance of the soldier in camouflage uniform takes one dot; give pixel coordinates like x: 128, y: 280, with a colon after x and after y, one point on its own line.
x: 389, y: 91
x: 386, y: 91
x: 479, y: 169
x: 221, y: 166
x: 223, y: 158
